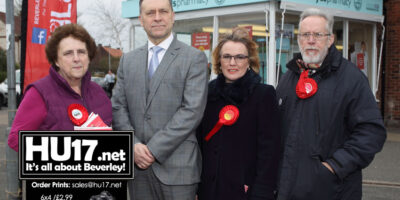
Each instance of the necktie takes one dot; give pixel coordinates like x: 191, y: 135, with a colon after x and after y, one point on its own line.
x: 154, y: 60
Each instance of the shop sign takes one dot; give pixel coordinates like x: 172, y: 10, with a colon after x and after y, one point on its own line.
x: 201, y: 41
x: 130, y: 9
x: 360, y: 61
x: 187, y: 5
x: 250, y: 30
x: 364, y: 6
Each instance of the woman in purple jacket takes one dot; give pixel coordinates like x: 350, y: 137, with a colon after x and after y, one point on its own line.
x: 48, y: 102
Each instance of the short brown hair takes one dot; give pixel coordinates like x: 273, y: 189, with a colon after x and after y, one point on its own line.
x: 141, y: 1
x: 238, y: 35
x: 74, y: 30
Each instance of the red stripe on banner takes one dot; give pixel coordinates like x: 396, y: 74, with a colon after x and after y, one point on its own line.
x: 43, y: 18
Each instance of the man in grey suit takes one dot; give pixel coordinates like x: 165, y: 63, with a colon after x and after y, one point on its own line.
x: 161, y: 94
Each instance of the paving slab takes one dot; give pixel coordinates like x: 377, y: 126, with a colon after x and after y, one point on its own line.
x: 385, y: 166
x: 380, y: 193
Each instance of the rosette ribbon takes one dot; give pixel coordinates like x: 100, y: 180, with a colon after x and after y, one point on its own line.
x: 227, y: 116
x: 77, y: 113
x: 306, y: 87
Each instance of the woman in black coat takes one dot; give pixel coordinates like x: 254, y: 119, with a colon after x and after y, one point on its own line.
x: 240, y: 161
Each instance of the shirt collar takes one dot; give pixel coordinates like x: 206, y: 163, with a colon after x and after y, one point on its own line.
x: 164, y: 44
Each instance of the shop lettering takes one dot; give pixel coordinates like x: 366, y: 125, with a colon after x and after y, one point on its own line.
x: 44, y: 147
x: 339, y: 2
x: 179, y: 3
x: 60, y: 18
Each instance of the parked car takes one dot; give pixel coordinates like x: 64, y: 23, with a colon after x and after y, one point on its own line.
x: 3, y: 94
x: 102, y: 82
x: 4, y: 88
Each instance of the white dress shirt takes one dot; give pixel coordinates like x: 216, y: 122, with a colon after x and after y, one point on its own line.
x: 164, y: 44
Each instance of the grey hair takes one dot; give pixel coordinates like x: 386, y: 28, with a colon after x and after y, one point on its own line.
x: 317, y: 12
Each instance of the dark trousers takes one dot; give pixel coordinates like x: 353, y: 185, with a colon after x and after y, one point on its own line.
x: 146, y: 186
x: 110, y: 88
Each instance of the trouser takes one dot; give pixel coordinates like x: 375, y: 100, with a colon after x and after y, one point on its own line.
x: 146, y: 186
x: 110, y: 87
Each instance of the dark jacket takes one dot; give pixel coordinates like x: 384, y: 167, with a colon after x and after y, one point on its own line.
x: 341, y: 125
x: 245, y: 153
x: 58, y: 95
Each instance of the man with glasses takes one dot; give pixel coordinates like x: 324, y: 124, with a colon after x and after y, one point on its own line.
x: 332, y: 127
x: 161, y: 93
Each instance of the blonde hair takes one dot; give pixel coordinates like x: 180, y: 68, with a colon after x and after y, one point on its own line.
x: 238, y: 35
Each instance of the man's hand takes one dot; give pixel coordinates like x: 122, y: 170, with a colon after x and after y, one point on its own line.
x: 328, y: 166
x: 143, y: 157
x: 246, y: 187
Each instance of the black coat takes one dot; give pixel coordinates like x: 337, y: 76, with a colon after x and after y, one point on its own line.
x: 246, y: 153
x: 341, y: 125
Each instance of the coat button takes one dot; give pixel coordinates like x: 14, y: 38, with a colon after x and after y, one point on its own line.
x: 147, y: 117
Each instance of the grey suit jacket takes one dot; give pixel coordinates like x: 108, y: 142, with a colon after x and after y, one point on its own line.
x: 164, y: 117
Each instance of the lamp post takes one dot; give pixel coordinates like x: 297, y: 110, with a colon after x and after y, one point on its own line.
x: 109, y: 59
x: 13, y: 189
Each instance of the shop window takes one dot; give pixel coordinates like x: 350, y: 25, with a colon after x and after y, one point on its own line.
x: 360, y: 46
x: 192, y: 33
x: 338, y: 33
x: 291, y: 24
x: 140, y: 36
x: 255, y: 24
x: 289, y: 45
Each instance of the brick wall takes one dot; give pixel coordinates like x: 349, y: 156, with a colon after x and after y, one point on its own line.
x: 392, y: 64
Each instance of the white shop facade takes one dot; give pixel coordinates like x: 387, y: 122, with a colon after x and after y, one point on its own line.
x: 200, y: 22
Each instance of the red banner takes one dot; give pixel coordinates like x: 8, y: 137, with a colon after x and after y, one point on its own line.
x: 44, y: 17
x: 201, y: 41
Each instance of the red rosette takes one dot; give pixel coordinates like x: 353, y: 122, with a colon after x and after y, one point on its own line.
x: 77, y: 113
x: 227, y: 116
x: 306, y: 87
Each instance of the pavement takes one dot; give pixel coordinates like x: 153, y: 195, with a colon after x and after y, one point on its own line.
x: 381, y: 179
x: 3, y: 143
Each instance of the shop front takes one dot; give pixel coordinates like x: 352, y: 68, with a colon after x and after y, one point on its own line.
x: 200, y: 22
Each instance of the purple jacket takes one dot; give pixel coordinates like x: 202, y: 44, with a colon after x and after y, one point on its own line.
x: 58, y: 95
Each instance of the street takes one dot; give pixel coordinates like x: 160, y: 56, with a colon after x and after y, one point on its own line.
x: 381, y: 179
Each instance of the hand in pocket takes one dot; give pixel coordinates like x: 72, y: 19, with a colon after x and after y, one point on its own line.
x: 328, y: 167
x: 246, y: 187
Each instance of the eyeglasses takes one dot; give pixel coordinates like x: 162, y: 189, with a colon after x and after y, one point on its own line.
x: 238, y: 58
x: 317, y: 36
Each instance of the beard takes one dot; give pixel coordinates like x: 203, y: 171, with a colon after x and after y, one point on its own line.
x: 313, y: 58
